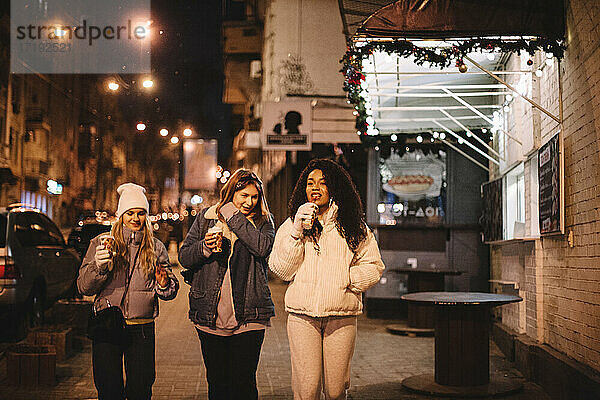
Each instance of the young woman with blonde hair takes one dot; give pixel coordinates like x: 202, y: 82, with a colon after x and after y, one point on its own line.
x: 230, y: 302
x: 130, y: 271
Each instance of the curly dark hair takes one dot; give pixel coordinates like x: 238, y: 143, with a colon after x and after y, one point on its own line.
x: 350, y: 221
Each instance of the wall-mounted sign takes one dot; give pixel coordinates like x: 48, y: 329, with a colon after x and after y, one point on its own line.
x: 551, y: 186
x: 412, y: 188
x: 200, y: 163
x: 54, y: 187
x: 287, y: 125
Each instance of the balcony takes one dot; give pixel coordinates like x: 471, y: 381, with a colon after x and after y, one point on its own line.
x: 34, y: 167
x: 37, y: 118
x: 242, y: 37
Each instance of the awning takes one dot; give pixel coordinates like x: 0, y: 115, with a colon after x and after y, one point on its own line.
x: 6, y: 176
x: 442, y: 19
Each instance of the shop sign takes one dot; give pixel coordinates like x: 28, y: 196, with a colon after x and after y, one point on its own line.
x: 413, y: 187
x: 54, y: 187
x: 287, y: 125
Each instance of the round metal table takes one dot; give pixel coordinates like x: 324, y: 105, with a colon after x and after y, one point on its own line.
x: 462, y: 325
x: 420, y: 319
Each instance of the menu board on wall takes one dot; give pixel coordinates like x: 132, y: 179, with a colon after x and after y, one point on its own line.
x: 551, y: 186
x: 491, y: 219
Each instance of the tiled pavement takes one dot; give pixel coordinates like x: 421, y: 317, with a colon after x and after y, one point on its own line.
x: 381, y: 361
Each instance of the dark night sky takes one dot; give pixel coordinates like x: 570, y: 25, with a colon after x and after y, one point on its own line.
x: 188, y: 69
x: 187, y: 64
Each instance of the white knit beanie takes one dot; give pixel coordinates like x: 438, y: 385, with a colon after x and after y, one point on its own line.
x: 131, y: 196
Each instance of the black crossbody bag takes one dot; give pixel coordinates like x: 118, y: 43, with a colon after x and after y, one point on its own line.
x: 108, y: 325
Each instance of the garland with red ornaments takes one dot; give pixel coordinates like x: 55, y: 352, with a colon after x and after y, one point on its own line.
x: 436, y: 57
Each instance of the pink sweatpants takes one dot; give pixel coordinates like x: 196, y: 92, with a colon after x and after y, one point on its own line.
x: 321, y: 351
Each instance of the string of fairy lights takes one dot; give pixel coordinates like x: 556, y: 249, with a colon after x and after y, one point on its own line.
x: 355, y: 84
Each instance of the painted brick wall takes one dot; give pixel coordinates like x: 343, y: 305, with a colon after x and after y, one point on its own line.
x: 560, y: 284
x: 571, y: 277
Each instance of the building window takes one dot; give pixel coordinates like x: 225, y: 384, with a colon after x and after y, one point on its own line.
x: 412, y: 188
x: 514, y: 204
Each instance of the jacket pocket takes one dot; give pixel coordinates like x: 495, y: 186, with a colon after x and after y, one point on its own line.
x: 197, y: 294
x: 198, y: 301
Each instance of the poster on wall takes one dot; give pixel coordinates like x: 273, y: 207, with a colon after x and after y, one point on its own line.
x: 491, y: 218
x: 413, y: 188
x: 551, y: 186
x: 200, y: 163
x: 287, y: 125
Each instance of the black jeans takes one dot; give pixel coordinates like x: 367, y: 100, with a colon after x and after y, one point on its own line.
x: 231, y: 363
x: 138, y: 351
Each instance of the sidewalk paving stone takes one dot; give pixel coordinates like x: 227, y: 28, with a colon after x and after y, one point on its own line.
x: 381, y: 361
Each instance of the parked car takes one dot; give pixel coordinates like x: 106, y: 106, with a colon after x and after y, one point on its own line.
x: 84, y: 232
x: 36, y: 267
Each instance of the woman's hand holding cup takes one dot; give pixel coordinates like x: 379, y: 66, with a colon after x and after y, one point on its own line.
x: 105, y: 252
x: 305, y: 218
x: 309, y: 219
x: 161, y: 276
x: 214, y: 239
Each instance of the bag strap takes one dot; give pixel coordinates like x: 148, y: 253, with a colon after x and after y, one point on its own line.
x: 126, y: 284
x: 137, y: 253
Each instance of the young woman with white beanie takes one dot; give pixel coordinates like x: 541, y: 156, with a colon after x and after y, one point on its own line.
x: 132, y: 271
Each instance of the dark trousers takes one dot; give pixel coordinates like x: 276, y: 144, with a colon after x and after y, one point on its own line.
x: 231, y: 363
x: 137, y: 349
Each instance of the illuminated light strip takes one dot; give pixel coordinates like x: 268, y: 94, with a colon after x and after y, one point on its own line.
x: 465, y: 154
x: 470, y: 107
x: 471, y: 145
x: 474, y: 135
x: 466, y: 94
x: 432, y: 108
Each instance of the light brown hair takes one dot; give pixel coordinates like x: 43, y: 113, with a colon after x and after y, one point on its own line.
x: 238, y: 181
x: 147, y: 257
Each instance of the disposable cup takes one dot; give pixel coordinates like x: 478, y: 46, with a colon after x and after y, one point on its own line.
x: 217, y: 230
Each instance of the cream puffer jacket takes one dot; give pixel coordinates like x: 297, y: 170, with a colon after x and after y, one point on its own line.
x: 329, y: 281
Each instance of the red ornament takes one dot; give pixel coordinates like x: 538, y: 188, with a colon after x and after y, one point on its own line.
x: 530, y: 62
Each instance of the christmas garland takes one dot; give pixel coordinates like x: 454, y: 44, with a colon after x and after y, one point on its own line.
x: 437, y: 57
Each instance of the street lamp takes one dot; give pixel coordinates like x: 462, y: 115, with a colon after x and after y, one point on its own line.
x: 140, y: 126
x: 187, y: 132
x: 174, y: 140
x: 114, y: 86
x: 164, y: 132
x: 148, y: 83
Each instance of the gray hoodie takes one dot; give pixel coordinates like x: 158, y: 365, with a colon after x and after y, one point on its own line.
x: 141, y: 299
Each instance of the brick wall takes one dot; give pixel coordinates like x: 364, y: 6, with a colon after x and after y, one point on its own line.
x: 572, y: 275
x: 560, y: 284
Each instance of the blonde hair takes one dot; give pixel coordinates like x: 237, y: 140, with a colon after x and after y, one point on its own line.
x: 147, y: 256
x: 238, y: 181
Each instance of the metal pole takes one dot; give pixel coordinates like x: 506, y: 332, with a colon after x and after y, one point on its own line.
x: 465, y: 154
x: 450, y: 131
x: 533, y: 103
x: 457, y: 98
x: 470, y: 107
x: 474, y: 136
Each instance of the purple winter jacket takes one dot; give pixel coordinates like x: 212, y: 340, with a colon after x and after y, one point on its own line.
x: 141, y: 300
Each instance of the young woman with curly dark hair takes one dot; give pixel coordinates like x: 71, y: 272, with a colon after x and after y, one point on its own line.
x: 330, y: 256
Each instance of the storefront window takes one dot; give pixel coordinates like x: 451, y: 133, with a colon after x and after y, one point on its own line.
x: 515, y: 203
x: 413, y: 188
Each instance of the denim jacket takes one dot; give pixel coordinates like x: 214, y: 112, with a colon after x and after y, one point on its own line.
x: 246, y: 254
